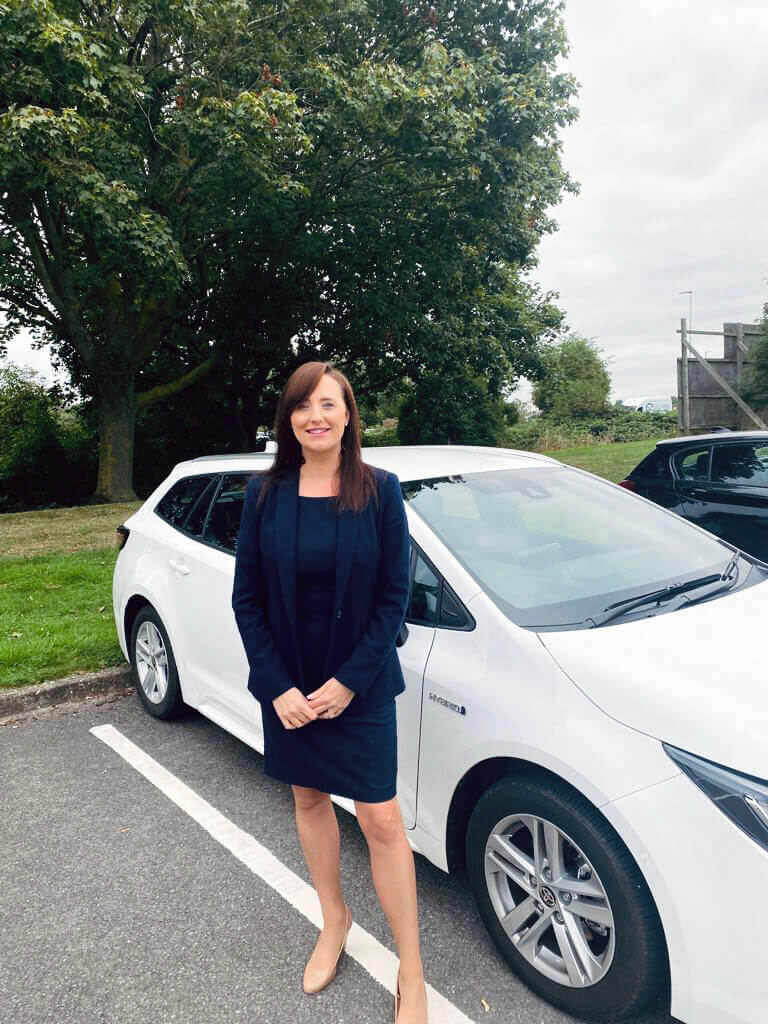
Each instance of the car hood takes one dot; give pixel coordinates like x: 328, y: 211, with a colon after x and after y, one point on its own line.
x: 694, y: 678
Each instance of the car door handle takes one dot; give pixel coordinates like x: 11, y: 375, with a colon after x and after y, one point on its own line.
x: 179, y: 567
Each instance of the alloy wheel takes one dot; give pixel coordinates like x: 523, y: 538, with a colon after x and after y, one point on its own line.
x: 549, y: 900
x: 151, y: 662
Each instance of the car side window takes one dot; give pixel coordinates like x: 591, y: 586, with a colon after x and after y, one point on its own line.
x: 451, y: 611
x: 195, y: 521
x: 432, y: 602
x: 425, y: 591
x: 176, y: 504
x: 743, y: 463
x: 693, y: 465
x: 224, y: 521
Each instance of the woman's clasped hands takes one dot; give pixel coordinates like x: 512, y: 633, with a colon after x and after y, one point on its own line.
x: 328, y: 701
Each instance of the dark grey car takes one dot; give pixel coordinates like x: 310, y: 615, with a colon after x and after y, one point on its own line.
x: 718, y: 481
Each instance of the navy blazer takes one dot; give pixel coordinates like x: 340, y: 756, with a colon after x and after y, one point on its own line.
x: 370, y: 599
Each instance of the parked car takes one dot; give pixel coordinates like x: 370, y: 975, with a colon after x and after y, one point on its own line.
x: 719, y: 481
x: 584, y: 722
x: 655, y: 405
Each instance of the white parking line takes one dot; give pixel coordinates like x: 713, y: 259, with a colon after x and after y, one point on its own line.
x: 380, y: 962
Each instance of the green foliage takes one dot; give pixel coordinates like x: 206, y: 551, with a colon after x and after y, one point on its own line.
x: 362, y: 182
x: 575, y: 380
x: 513, y: 413
x: 380, y: 437
x: 451, y: 408
x: 43, y: 450
x: 614, y: 425
x: 754, y: 386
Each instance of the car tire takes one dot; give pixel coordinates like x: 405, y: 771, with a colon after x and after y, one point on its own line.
x: 603, y: 968
x: 155, y: 675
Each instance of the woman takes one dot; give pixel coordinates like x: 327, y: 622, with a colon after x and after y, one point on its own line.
x: 320, y: 594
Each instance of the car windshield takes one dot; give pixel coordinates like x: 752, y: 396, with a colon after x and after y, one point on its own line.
x: 552, y: 547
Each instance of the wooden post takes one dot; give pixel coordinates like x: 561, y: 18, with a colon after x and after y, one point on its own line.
x: 686, y: 404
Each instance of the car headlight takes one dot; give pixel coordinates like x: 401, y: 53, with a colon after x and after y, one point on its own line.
x: 742, y: 798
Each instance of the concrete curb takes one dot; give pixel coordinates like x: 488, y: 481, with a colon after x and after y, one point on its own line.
x: 24, y: 699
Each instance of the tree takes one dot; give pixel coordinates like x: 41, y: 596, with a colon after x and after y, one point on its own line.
x: 451, y: 409
x: 230, y: 187
x: 576, y: 381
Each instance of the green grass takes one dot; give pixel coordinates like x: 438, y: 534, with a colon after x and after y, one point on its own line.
x: 56, y: 571
x: 611, y: 461
x: 56, y: 616
x: 52, y: 530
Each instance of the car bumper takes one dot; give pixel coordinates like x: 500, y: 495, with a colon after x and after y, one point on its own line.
x: 118, y: 609
x: 710, y: 883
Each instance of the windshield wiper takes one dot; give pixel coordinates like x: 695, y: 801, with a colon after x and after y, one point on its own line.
x: 730, y: 574
x: 614, y: 611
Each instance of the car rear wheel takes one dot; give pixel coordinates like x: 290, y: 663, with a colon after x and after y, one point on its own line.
x: 563, y: 899
x: 154, y: 668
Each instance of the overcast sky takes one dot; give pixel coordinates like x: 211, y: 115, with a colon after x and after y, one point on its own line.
x: 671, y: 151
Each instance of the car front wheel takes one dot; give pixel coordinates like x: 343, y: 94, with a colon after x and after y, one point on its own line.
x: 563, y: 899
x: 154, y: 667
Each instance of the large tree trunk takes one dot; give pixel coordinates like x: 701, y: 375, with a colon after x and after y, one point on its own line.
x: 117, y: 422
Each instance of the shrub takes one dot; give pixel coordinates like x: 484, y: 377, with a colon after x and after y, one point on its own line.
x: 379, y: 437
x: 44, y: 448
x: 544, y: 433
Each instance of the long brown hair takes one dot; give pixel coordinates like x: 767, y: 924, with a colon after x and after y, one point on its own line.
x: 357, y: 483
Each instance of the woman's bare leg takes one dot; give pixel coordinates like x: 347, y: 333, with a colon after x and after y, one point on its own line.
x: 394, y: 877
x: 318, y: 831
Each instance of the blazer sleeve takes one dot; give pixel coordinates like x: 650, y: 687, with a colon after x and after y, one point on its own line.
x: 360, y: 669
x: 269, y: 675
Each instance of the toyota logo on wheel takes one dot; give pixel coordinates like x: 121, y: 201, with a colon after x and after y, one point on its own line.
x: 547, y: 896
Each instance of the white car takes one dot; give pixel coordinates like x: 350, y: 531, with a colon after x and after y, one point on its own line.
x: 585, y: 720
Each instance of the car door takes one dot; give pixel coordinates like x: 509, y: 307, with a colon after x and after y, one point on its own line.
x: 213, y: 649
x: 691, y: 466
x: 738, y: 494
x: 215, y: 667
x: 413, y: 647
x: 433, y: 610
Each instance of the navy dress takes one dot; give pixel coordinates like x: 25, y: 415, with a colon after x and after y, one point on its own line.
x: 355, y: 753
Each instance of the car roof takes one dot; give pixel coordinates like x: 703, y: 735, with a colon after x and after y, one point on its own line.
x: 722, y: 436
x: 408, y: 462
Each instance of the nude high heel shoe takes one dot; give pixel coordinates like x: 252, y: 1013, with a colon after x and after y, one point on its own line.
x: 397, y: 999
x: 316, y: 981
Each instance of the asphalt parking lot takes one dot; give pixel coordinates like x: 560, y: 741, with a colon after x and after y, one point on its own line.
x: 130, y: 895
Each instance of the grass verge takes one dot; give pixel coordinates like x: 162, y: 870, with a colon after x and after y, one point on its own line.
x: 56, y: 616
x: 611, y: 461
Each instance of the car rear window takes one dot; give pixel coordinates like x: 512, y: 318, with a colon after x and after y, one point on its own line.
x: 654, y: 467
x: 174, y: 506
